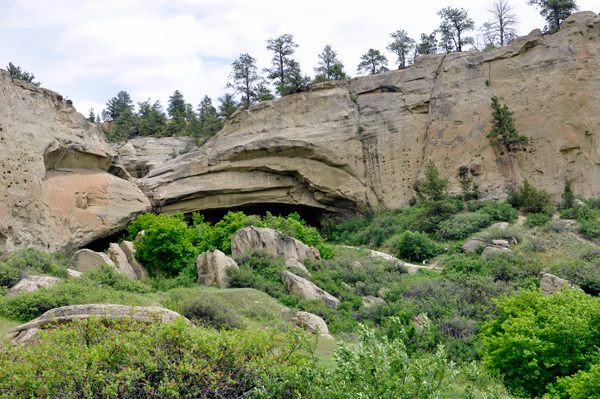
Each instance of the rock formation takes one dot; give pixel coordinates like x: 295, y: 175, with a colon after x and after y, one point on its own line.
x: 61, y: 184
x: 549, y: 284
x: 306, y: 289
x: 295, y: 265
x: 32, y: 283
x: 116, y: 254
x: 275, y: 243
x: 370, y: 300
x: 66, y: 314
x: 129, y: 251
x: 341, y: 147
x: 212, y: 268
x: 85, y: 260
x: 310, y: 323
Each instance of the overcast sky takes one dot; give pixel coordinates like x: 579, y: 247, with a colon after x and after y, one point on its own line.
x: 90, y: 50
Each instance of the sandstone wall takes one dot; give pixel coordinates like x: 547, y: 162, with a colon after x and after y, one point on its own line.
x: 61, y: 184
x: 341, y: 147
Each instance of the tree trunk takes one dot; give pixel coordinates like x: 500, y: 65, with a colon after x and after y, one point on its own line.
x: 512, y: 169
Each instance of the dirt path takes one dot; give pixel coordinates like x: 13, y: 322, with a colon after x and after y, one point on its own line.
x: 392, y: 258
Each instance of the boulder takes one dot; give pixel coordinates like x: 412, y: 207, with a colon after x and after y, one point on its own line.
x: 129, y: 251
x: 356, y: 264
x: 306, y: 289
x: 272, y: 241
x: 549, y: 284
x: 32, y: 283
x: 500, y: 243
x: 579, y: 202
x: 310, y: 322
x: 140, y: 236
x: 370, y: 300
x: 500, y: 225
x: 85, y: 260
x: 471, y: 246
x: 73, y: 273
x: 412, y: 269
x: 66, y: 314
x: 212, y: 268
x: 490, y: 251
x: 116, y: 254
x: 383, y: 292
x: 294, y: 264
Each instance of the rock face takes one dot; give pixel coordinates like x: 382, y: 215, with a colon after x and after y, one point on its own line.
x: 142, y: 154
x: 32, y: 283
x: 212, y: 268
x: 129, y: 251
x: 341, y: 147
x: 295, y: 265
x: 85, y: 260
x: 271, y: 241
x: 116, y: 254
x: 549, y: 284
x: 492, y: 250
x: 310, y: 322
x: 61, y: 184
x: 66, y: 314
x: 307, y: 290
x: 73, y: 273
x: 371, y: 300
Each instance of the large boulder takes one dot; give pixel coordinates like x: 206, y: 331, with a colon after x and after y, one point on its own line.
x: 116, y: 254
x: 339, y: 148
x: 212, y: 268
x: 370, y: 300
x: 549, y: 283
x: 272, y: 241
x: 129, y: 250
x: 32, y: 283
x: 85, y: 260
x: 26, y: 332
x: 311, y: 323
x: 493, y: 250
x: 62, y: 184
x: 307, y: 290
x: 472, y: 244
x: 295, y: 265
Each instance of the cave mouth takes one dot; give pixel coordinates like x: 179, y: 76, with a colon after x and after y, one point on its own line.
x: 102, y: 244
x: 312, y: 216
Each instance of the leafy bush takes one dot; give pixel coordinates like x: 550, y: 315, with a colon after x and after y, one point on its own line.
x: 107, y: 276
x: 9, y: 276
x: 376, y: 227
x: 535, y: 200
x: 416, y: 246
x: 500, y: 211
x: 589, y: 228
x: 210, y: 313
x: 31, y: 260
x: 100, y: 358
x: 582, y: 385
x: 537, y: 219
x: 167, y: 244
x: 536, y: 338
x: 463, y: 225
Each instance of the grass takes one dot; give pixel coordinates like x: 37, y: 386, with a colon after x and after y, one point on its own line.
x: 6, y: 325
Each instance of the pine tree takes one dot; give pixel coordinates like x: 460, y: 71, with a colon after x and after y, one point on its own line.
x: 555, y: 11
x: 244, y: 79
x: 117, y: 106
x: 434, y: 188
x: 285, y: 71
x: 227, y: 106
x: 455, y: 22
x: 16, y: 72
x: 567, y: 196
x: 373, y: 62
x: 505, y: 133
x: 330, y: 67
x: 153, y: 120
x: 402, y: 46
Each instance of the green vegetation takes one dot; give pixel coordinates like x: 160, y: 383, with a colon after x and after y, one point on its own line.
x: 16, y: 72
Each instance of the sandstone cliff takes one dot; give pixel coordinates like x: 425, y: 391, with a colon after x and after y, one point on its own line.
x: 341, y: 147
x: 61, y: 184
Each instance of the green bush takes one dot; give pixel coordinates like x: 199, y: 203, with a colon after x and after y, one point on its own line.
x: 463, y: 225
x: 107, y: 276
x: 415, y: 246
x: 31, y: 260
x: 537, y: 219
x: 582, y: 385
x: 210, y: 313
x: 167, y: 244
x: 9, y: 276
x: 537, y: 339
x: 500, y: 211
x: 376, y: 227
x: 589, y: 228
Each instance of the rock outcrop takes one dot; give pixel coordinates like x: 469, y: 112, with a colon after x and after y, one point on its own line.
x: 212, y: 268
x: 32, y: 283
x: 370, y: 300
x: 493, y: 250
x: 85, y: 260
x: 549, y: 283
x: 142, y: 154
x: 275, y: 243
x: 116, y: 254
x: 306, y: 289
x: 311, y: 323
x: 129, y: 251
x: 66, y: 314
x: 339, y: 148
x: 61, y: 185
x: 295, y: 265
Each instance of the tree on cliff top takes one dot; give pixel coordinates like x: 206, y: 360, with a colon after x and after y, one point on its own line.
x: 373, y: 62
x: 244, y: 79
x: 503, y: 22
x: 555, y: 11
x: 330, y: 67
x: 455, y: 22
x: 285, y: 71
x: 402, y: 46
x: 17, y: 73
x: 505, y: 133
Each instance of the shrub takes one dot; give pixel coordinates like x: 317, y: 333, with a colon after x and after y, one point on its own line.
x: 567, y: 196
x: 463, y: 225
x: 416, y: 246
x: 210, y: 313
x: 167, y: 245
x: 9, y: 276
x: 589, y: 228
x: 501, y: 211
x: 582, y: 385
x: 536, y: 201
x: 31, y: 260
x: 537, y: 219
x: 107, y: 276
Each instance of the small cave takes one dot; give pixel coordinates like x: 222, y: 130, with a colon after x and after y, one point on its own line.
x: 101, y: 244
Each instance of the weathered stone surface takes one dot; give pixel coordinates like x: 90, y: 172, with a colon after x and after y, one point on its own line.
x: 310, y: 322
x: 294, y: 264
x: 490, y: 251
x: 271, y: 241
x: 579, y: 202
x: 500, y: 225
x: 371, y: 300
x: 412, y: 270
x: 307, y: 290
x: 212, y: 268
x: 62, y: 186
x: 116, y: 254
x: 129, y: 251
x: 471, y: 246
x: 85, y: 260
x: 356, y: 264
x: 549, y: 284
x: 342, y: 147
x: 73, y: 273
x: 382, y: 292
x: 142, y: 154
x: 32, y: 283
x: 66, y: 314
x: 500, y: 243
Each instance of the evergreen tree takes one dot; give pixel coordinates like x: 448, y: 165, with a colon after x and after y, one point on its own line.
x: 567, y: 196
x: 330, y: 67
x: 455, y: 22
x: 434, y: 188
x: 153, y: 120
x: 555, y: 11
x: 402, y: 46
x: 227, y: 106
x: 117, y: 106
x: 127, y: 125
x: 177, y: 105
x: 263, y: 92
x: 92, y: 116
x: 285, y: 72
x: 373, y: 62
x: 505, y: 133
x: 428, y: 44
x: 16, y: 72
x: 209, y: 118
x: 244, y: 79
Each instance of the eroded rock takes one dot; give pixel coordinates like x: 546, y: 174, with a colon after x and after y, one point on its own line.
x: 370, y: 300
x: 294, y: 264
x: 129, y: 251
x: 85, y: 260
x: 491, y: 251
x: 307, y: 290
x: 471, y: 246
x: 73, y: 273
x: 116, y: 254
x: 32, y: 283
x: 311, y: 322
x: 272, y: 241
x: 212, y: 268
x: 549, y: 284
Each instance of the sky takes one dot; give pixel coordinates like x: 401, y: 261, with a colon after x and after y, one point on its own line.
x: 90, y: 50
